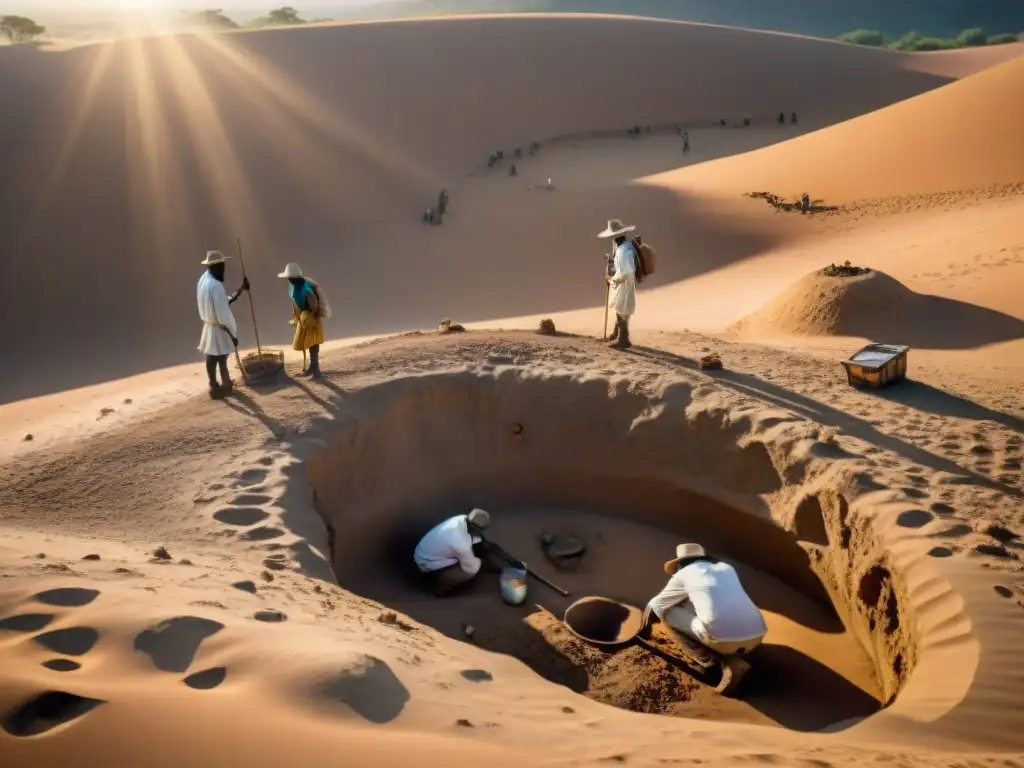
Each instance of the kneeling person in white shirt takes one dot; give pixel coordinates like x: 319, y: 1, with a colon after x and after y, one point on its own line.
x: 445, y: 555
x: 705, y: 601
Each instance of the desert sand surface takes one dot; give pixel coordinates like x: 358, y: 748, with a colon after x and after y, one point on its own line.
x: 193, y: 581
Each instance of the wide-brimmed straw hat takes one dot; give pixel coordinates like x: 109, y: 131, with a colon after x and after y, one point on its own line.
x: 684, y: 552
x: 214, y: 257
x: 291, y: 271
x: 614, y: 229
x: 479, y: 518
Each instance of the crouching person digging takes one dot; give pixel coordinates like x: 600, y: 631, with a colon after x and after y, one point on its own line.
x: 449, y: 555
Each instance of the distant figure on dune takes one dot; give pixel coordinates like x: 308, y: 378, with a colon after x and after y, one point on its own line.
x: 442, y: 202
x: 686, y: 142
x: 220, y: 332
x: 782, y: 118
x: 309, y: 307
x: 621, y: 278
x: 705, y: 601
x: 449, y: 554
x: 792, y: 119
x: 805, y: 202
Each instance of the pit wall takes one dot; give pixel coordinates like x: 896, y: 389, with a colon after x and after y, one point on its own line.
x: 696, y: 462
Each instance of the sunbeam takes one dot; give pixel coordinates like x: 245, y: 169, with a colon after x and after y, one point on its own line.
x: 306, y: 106
x: 221, y: 171
x: 159, y: 200
x: 83, y: 91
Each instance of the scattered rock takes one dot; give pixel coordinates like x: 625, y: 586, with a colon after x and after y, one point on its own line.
x: 41, y: 556
x: 569, y: 710
x: 245, y: 586
x: 28, y: 438
x: 391, y: 619
x: 272, y: 616
x: 447, y: 326
x: 546, y: 327
x: 185, y: 561
x: 127, y: 401
x: 995, y: 530
x: 105, y: 412
x: 267, y: 576
x: 162, y: 554
x: 517, y: 429
x: 463, y: 723
x: 91, y: 557
x: 710, y: 361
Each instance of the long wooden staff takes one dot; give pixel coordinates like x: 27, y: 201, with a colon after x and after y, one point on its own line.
x: 252, y: 305
x: 607, y: 297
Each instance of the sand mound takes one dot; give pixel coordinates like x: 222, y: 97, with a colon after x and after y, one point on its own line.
x: 876, y: 306
x: 961, y: 136
x: 842, y: 640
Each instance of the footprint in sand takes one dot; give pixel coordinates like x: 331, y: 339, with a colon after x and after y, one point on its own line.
x: 47, y: 711
x: 939, y: 508
x: 172, y: 644
x: 73, y: 641
x: 477, y: 675
x: 940, y: 552
x: 207, y: 679
x: 26, y: 622
x: 68, y: 597
x: 251, y: 500
x: 250, y: 477
x: 62, y: 665
x: 240, y: 516
x: 245, y: 586
x: 263, y: 533
x: 914, y: 518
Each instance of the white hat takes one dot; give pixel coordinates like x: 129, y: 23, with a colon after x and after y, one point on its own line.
x: 479, y: 518
x: 614, y: 229
x: 214, y: 257
x: 291, y: 271
x: 684, y: 552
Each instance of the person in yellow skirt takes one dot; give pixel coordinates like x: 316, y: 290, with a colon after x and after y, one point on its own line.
x: 309, y: 309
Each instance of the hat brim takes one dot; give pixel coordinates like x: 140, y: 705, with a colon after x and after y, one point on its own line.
x: 607, y: 233
x: 286, y: 276
x: 670, y: 566
x: 207, y: 263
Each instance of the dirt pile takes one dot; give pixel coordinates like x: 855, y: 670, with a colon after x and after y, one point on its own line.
x: 853, y: 301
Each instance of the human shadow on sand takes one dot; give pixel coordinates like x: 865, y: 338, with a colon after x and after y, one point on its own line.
x: 759, y: 389
x: 245, y: 405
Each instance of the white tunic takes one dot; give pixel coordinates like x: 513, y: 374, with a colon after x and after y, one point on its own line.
x: 718, y: 599
x: 622, y: 298
x: 214, y: 308
x: 446, y: 544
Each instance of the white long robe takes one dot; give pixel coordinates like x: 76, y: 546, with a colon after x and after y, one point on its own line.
x: 214, y: 311
x: 622, y: 298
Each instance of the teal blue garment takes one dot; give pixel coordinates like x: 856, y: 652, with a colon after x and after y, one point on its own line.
x: 299, y: 294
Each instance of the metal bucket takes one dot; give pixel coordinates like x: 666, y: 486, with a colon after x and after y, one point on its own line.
x: 513, y: 585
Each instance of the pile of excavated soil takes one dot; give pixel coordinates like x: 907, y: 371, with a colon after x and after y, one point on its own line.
x: 873, y: 305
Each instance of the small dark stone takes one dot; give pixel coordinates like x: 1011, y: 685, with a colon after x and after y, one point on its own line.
x: 185, y: 561
x: 28, y: 438
x: 91, y: 557
x: 463, y: 723
x: 272, y: 616
x: 245, y: 586
x: 162, y: 554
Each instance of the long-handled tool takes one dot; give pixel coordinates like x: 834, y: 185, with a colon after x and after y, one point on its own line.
x: 252, y: 304
x: 517, y: 562
x: 238, y: 358
x: 607, y: 298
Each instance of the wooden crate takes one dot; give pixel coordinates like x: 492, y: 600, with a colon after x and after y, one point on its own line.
x: 877, y: 365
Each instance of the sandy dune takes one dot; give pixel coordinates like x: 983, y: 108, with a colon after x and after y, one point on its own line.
x: 159, y: 149
x: 190, y: 581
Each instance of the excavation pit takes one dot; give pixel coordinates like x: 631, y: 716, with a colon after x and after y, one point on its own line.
x: 630, y: 475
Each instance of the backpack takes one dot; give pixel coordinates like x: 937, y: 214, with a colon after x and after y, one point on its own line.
x: 645, y: 259
x: 321, y: 297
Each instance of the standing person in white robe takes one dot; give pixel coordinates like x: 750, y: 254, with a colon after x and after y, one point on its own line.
x: 220, y: 332
x: 447, y: 554
x: 621, y: 277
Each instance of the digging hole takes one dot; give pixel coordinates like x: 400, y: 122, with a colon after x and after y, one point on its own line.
x: 592, y: 462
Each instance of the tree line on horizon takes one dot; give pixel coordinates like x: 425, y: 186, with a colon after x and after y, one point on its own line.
x: 21, y: 29
x: 916, y: 41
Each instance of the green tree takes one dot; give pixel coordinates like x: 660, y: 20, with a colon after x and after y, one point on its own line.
x: 970, y: 38
x: 19, y: 29
x: 211, y: 18
x: 1003, y: 39
x: 864, y: 37
x: 285, y: 15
